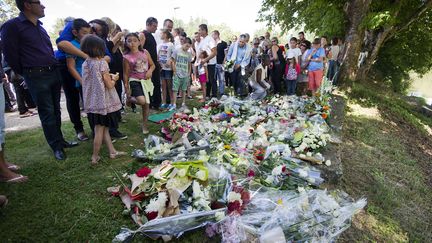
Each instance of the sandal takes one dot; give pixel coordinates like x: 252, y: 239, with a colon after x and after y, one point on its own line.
x: 3, y: 201
x: 145, y: 130
x: 13, y: 167
x: 95, y: 162
x: 17, y: 179
x: 117, y: 154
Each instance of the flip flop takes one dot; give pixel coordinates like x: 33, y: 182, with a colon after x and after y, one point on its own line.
x: 13, y: 167
x: 95, y: 162
x: 18, y: 179
x: 117, y: 154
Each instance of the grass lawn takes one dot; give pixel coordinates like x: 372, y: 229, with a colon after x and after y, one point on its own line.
x: 386, y: 157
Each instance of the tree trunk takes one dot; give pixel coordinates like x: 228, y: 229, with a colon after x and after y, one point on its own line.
x: 356, y: 11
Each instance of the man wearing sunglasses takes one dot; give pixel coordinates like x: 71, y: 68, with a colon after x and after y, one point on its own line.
x: 28, y: 50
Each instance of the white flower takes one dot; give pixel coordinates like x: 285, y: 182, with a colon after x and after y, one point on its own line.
x: 269, y: 179
x: 302, y: 156
x: 234, y: 196
x: 189, y: 209
x: 277, y: 170
x: 302, y: 173
x: 220, y: 215
x: 281, y: 137
x: 201, y: 175
x: 328, y: 162
x: 272, y: 140
x: 250, y: 146
x: 297, y: 149
x: 202, y: 143
x: 301, y: 189
x: 157, y: 204
x: 311, y: 180
x: 309, y: 154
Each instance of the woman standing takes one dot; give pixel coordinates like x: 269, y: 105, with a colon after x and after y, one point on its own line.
x: 278, y: 64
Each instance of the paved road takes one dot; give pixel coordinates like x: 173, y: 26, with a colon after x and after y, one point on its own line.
x: 15, y: 123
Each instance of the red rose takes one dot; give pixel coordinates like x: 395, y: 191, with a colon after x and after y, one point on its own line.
x: 143, y: 172
x: 151, y: 215
x: 191, y: 119
x: 251, y: 173
x: 234, y: 207
x: 283, y: 169
x: 260, y: 157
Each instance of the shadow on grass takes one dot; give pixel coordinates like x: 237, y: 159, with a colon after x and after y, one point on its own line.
x: 382, y: 161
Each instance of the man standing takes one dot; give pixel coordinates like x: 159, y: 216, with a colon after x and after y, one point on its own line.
x: 238, y: 54
x: 27, y: 49
x: 168, y: 24
x: 220, y: 57
x: 208, y: 45
x: 151, y: 46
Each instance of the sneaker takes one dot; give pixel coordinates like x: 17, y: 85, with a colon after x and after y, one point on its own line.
x: 172, y: 107
x: 164, y: 106
x: 82, y: 136
x: 190, y: 97
x: 118, y: 135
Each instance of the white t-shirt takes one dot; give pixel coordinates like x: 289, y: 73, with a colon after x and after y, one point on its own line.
x: 295, y: 52
x: 334, y: 52
x: 158, y: 37
x: 207, y: 44
x: 165, y: 51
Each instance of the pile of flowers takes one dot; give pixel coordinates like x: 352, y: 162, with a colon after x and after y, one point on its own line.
x: 229, y: 154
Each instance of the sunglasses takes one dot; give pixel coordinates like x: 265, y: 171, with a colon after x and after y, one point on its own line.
x: 35, y: 2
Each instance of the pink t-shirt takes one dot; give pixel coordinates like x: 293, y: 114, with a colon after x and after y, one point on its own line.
x: 138, y: 64
x: 97, y: 98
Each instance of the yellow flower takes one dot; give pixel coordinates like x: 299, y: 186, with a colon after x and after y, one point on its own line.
x: 227, y: 146
x: 280, y: 201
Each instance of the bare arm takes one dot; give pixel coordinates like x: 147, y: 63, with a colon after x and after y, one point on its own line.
x: 126, y: 76
x: 258, y: 78
x: 108, y: 80
x: 152, y: 66
x: 67, y: 47
x: 70, y: 62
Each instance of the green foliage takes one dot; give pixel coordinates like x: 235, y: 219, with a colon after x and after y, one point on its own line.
x: 8, y: 10
x: 322, y: 17
x: 57, y: 27
x: 410, y: 50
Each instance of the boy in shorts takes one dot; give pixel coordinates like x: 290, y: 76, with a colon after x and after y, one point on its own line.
x: 181, y: 65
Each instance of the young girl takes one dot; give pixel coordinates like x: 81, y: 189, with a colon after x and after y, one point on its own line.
x: 291, y: 76
x: 164, y: 54
x: 137, y: 72
x: 203, y: 74
x: 100, y: 98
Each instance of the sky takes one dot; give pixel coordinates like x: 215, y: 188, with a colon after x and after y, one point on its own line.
x: 240, y: 15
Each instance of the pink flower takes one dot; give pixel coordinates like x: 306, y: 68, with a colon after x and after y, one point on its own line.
x: 251, y: 173
x: 234, y: 207
x: 143, y: 172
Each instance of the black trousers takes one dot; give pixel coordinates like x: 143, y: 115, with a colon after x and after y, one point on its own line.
x: 212, y: 82
x: 24, y: 99
x: 45, y: 89
x: 276, y: 76
x: 156, y: 98
x: 72, y: 94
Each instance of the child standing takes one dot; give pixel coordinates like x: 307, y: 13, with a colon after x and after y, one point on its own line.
x: 138, y: 68
x: 203, y: 74
x: 80, y: 28
x: 181, y: 61
x: 291, y: 76
x: 100, y: 98
x: 164, y: 54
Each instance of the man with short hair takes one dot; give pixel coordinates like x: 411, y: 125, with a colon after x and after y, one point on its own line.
x: 151, y: 46
x: 168, y: 24
x: 301, y: 38
x: 28, y: 50
x: 208, y: 45
x: 238, y: 54
x: 220, y: 61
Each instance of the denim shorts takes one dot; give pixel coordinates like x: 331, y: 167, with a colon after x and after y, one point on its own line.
x: 166, y: 75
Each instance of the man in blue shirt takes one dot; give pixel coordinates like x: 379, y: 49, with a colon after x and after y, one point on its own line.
x: 239, y: 54
x: 27, y: 49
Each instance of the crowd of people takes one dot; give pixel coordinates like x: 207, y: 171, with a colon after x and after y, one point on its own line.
x: 102, y: 69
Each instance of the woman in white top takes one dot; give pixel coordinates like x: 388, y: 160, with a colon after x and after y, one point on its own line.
x: 333, y: 59
x: 257, y: 79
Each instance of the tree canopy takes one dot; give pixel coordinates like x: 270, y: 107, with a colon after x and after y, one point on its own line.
x: 7, y: 10
x: 395, y: 34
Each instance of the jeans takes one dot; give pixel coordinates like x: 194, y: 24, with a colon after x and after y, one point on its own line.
x: 2, y: 116
x: 45, y: 89
x: 236, y: 81
x: 291, y: 86
x: 156, y: 98
x: 212, y: 84
x: 72, y: 94
x: 220, y: 77
x: 332, y: 69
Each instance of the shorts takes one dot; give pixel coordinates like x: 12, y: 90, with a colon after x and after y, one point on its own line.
x: 315, y: 78
x: 108, y: 120
x: 166, y: 75
x: 180, y: 83
x: 203, y: 78
x: 136, y: 89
